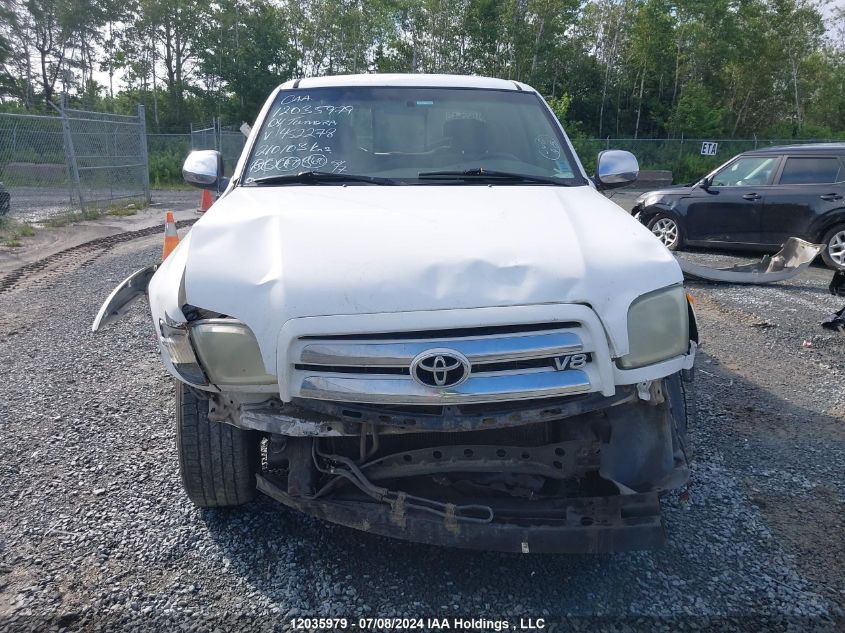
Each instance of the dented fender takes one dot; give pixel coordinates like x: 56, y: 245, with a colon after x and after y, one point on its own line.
x: 121, y: 298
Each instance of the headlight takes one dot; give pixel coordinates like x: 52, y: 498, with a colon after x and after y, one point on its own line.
x: 177, y: 344
x: 658, y: 328
x: 649, y: 199
x: 229, y: 353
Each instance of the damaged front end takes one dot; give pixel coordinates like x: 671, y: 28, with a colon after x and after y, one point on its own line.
x: 575, y: 474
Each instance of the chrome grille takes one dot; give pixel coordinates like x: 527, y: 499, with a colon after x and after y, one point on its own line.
x: 514, y: 363
x: 478, y: 350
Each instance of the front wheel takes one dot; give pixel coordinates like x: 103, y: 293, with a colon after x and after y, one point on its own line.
x: 834, y: 253
x: 668, y: 231
x: 217, y: 461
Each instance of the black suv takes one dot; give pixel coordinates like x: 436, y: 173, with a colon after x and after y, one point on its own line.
x: 757, y: 200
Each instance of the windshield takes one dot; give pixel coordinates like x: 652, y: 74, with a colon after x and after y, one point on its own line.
x: 459, y: 134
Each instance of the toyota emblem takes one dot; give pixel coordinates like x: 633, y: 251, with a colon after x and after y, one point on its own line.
x: 440, y: 368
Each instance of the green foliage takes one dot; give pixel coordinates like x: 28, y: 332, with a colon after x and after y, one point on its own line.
x: 620, y: 68
x: 560, y: 106
x: 696, y: 115
x: 11, y: 230
x: 690, y: 167
x: 166, y: 166
x: 71, y: 217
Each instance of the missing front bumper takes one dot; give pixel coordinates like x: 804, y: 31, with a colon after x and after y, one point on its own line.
x: 589, y: 483
x: 578, y: 525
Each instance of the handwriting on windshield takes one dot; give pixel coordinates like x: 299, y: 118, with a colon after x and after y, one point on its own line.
x: 301, y: 133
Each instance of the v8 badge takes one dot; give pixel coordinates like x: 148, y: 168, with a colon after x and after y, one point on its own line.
x: 572, y: 361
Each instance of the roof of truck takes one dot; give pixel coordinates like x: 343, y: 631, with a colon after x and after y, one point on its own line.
x: 408, y: 80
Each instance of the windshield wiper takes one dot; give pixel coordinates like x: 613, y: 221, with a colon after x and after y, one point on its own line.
x: 479, y: 173
x: 320, y: 176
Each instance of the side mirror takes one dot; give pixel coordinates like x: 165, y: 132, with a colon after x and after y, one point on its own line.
x: 204, y: 169
x: 704, y: 184
x: 615, y: 168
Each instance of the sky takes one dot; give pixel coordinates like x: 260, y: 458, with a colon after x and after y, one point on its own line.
x: 834, y: 5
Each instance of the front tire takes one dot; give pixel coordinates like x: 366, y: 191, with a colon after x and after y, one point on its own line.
x: 667, y: 230
x: 834, y: 253
x: 217, y: 461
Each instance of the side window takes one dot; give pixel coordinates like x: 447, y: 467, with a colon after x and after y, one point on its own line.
x: 747, y: 172
x: 801, y: 170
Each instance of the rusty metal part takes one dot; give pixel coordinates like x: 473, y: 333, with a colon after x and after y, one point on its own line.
x: 555, y: 461
x: 791, y: 260
x: 486, y: 495
x: 399, y: 501
x: 301, y: 474
x: 329, y: 419
x: 575, y: 525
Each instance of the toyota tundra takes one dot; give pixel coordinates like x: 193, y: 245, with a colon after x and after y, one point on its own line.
x: 412, y: 312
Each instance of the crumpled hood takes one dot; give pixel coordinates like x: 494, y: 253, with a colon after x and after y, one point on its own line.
x: 269, y: 254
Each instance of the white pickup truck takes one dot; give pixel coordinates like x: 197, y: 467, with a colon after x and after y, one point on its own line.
x: 412, y: 312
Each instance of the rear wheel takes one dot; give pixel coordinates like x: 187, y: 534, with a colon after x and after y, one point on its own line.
x: 667, y: 229
x: 834, y: 254
x: 217, y: 461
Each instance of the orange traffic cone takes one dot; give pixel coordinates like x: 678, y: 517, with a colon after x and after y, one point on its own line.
x: 171, y: 237
x: 205, y: 201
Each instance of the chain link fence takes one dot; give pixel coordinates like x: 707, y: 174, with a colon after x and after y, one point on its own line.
x: 34, y: 174
x: 108, y: 153
x: 80, y: 160
x: 227, y: 140
x: 74, y: 162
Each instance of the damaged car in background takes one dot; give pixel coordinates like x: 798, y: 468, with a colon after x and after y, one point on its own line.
x: 784, y: 200
x: 412, y: 312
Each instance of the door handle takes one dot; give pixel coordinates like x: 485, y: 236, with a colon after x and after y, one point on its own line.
x: 831, y: 196
x: 752, y: 196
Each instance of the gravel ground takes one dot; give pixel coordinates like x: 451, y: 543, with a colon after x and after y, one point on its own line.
x: 95, y: 532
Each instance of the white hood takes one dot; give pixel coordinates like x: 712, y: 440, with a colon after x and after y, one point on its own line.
x: 268, y: 254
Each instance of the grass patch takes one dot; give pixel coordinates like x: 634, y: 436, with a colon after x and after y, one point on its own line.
x: 12, y: 230
x: 58, y: 221
x: 173, y: 186
x: 123, y: 212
